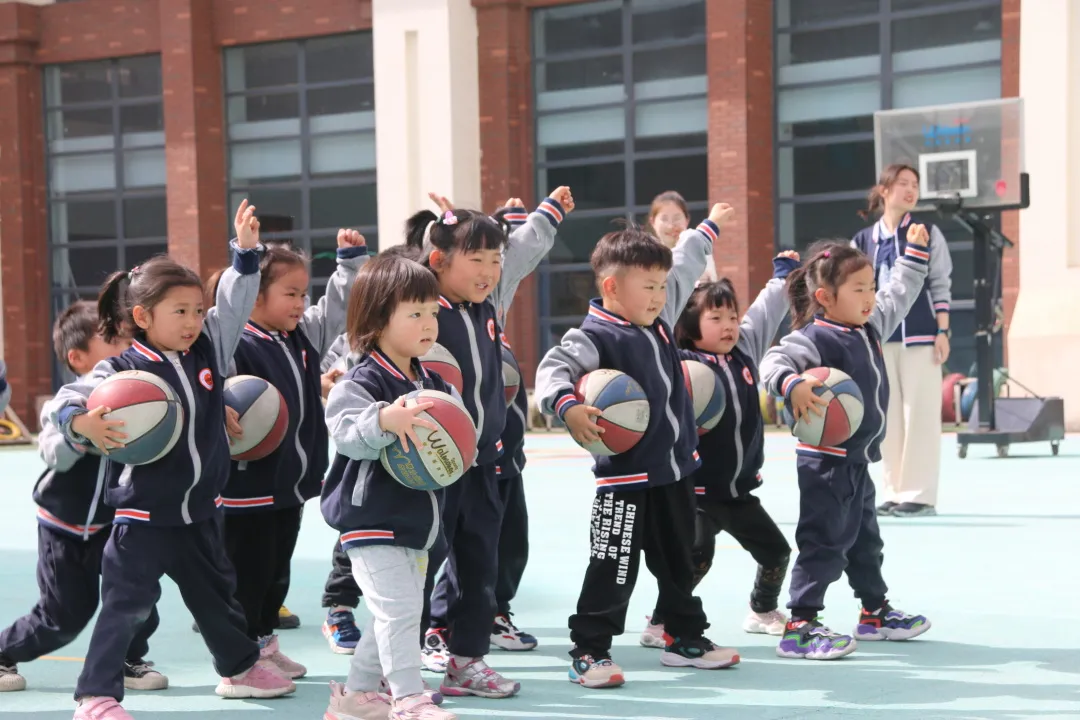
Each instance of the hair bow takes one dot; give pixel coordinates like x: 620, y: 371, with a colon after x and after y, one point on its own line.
x: 133, y: 272
x: 449, y: 218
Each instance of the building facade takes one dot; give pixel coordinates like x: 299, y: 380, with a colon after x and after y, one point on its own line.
x: 131, y: 127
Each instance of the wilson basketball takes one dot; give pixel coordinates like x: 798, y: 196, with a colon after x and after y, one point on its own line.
x: 707, y: 394
x: 625, y: 407
x: 839, y: 419
x: 264, y: 416
x: 152, y: 414
x: 511, y: 375
x: 444, y: 454
x: 438, y: 359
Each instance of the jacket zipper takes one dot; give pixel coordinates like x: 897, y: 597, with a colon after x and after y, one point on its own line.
x: 196, y: 461
x: 477, y: 369
x: 672, y: 420
x: 739, y: 450
x: 877, y: 393
x: 296, y: 436
x: 97, y: 497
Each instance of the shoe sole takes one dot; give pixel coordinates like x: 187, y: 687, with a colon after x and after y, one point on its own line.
x: 651, y: 641
x: 893, y: 635
x: 759, y: 629
x: 616, y: 680
x: 812, y: 656
x: 334, y: 647
x: 288, y: 623
x: 917, y: 513
x: 675, y: 660
x: 522, y: 647
x: 161, y: 683
x: 491, y: 695
x: 437, y: 669
x: 12, y: 684
x: 243, y: 692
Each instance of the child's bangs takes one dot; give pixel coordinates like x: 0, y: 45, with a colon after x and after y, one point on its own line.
x: 483, y: 233
x: 415, y: 283
x: 718, y: 296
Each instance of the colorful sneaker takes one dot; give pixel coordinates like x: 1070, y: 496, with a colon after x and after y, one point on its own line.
x: 356, y: 705
x: 286, y: 620
x: 700, y: 653
x: 436, y: 697
x: 885, y: 509
x: 908, y: 509
x: 593, y: 672
x: 890, y: 624
x: 341, y: 632
x: 10, y: 679
x: 142, y: 676
x: 435, y: 653
x: 767, y: 623
x: 653, y: 635
x: 506, y: 636
x: 474, y: 677
x: 100, y: 708
x: 813, y: 641
x: 419, y: 707
x: 270, y: 651
x: 262, y: 682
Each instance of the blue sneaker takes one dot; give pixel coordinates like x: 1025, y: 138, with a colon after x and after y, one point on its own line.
x: 813, y: 641
x: 506, y: 636
x: 341, y: 632
x: 890, y: 624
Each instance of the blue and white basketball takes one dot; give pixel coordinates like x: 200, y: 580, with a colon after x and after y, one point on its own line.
x: 264, y: 416
x: 706, y: 394
x: 152, y: 414
x: 444, y: 454
x: 839, y: 419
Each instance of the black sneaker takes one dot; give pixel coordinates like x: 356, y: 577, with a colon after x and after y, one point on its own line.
x: 909, y: 509
x: 886, y: 508
x: 700, y: 653
x: 10, y: 679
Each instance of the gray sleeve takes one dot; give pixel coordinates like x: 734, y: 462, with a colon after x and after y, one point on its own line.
x: 55, y: 450
x: 783, y: 363
x: 324, y: 321
x: 237, y: 292
x: 905, y: 283
x: 71, y: 399
x: 763, y: 319
x: 940, y: 273
x: 352, y: 417
x: 337, y: 350
x: 529, y: 243
x: 688, y: 262
x: 561, y: 368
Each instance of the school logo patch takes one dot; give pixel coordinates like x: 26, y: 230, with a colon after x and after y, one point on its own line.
x: 504, y: 341
x: 206, y: 378
x: 491, y: 329
x: 747, y: 376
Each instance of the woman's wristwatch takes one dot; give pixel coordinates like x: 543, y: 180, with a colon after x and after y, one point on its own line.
x: 947, y: 332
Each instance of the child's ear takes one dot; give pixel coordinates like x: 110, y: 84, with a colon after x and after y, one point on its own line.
x: 608, y: 285
x: 74, y: 358
x: 141, y: 316
x: 823, y: 297
x: 436, y: 259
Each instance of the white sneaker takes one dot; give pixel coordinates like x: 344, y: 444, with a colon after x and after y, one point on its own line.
x: 506, y: 636
x: 435, y: 653
x: 653, y: 635
x: 770, y: 623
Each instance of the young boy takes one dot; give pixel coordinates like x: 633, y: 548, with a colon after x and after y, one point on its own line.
x: 73, y: 527
x: 645, y: 497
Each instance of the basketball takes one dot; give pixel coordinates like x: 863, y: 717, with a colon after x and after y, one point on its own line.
x: 511, y: 376
x: 444, y: 454
x: 625, y: 407
x: 439, y: 360
x: 839, y: 419
x: 707, y: 394
x: 152, y: 414
x: 264, y: 416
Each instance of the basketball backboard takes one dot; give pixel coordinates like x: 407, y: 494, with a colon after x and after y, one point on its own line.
x: 969, y: 152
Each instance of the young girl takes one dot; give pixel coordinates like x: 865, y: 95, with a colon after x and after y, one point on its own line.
x: 732, y: 453
x: 263, y: 500
x: 838, y: 323
x: 386, y: 528
x: 465, y: 249
x: 165, y: 521
x: 669, y: 217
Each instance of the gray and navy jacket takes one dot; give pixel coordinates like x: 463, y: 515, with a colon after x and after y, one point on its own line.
x: 470, y: 331
x: 5, y: 389
x: 292, y: 474
x: 70, y: 493
x: 359, y: 498
x: 668, y: 451
x: 856, y: 350
x: 733, y: 452
x: 512, y: 462
x: 883, y: 246
x: 184, y: 487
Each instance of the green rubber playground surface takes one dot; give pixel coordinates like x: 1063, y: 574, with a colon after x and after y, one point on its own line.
x: 996, y: 572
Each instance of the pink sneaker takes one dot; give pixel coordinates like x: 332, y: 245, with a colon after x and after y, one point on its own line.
x: 100, y: 708
x: 653, y: 635
x: 261, y: 682
x: 436, y: 697
x: 269, y: 650
x: 356, y: 705
x: 419, y: 707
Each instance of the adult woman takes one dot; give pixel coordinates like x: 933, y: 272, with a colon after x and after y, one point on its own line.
x: 911, y: 451
x: 668, y: 218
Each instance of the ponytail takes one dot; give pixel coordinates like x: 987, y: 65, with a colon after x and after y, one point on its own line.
x: 110, y: 308
x: 416, y: 228
x: 146, y: 285
x: 456, y: 230
x: 802, y: 302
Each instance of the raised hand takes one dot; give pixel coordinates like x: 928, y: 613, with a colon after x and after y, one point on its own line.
x: 917, y: 235
x: 514, y: 202
x: 721, y: 214
x: 247, y: 226
x: 445, y: 205
x: 790, y: 254
x: 350, y: 238
x: 564, y: 197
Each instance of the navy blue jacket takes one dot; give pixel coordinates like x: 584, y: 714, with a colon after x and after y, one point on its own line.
x: 920, y: 326
x: 293, y: 473
x: 512, y: 462
x: 184, y: 487
x: 856, y: 350
x: 667, y: 451
x: 360, y: 499
x: 69, y: 494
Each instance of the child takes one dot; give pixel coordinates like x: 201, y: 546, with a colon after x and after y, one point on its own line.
x: 73, y: 527
x: 5, y: 389
x: 838, y: 323
x: 283, y: 342
x: 465, y: 249
x: 645, y: 497
x: 386, y: 528
x: 166, y: 511
x: 732, y: 453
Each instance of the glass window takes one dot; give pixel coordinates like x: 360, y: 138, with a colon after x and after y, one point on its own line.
x: 301, y: 141
x: 803, y: 12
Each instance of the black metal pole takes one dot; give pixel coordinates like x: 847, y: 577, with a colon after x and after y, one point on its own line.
x: 984, y: 323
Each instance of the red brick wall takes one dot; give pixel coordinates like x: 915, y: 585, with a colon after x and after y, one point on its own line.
x: 1010, y: 87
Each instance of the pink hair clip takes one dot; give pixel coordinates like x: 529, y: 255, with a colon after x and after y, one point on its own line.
x: 449, y: 218
x: 825, y: 254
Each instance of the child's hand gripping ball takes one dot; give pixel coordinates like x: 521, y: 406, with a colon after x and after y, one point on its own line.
x: 825, y: 409
x: 443, y: 440
x: 620, y: 406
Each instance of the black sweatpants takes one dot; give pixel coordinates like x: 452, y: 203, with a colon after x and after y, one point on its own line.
x: 69, y: 578
x: 260, y: 547
x: 472, y: 521
x: 660, y: 522
x: 135, y: 559
x: 837, y: 533
x: 341, y: 589
x: 513, y: 554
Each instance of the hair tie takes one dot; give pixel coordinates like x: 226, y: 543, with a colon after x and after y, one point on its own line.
x: 427, y: 234
x: 133, y: 272
x: 449, y: 218
x: 825, y: 254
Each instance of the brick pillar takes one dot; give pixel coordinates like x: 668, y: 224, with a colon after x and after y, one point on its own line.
x: 1010, y: 221
x: 194, y: 143
x: 24, y: 287
x: 740, y: 67
x: 506, y: 144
